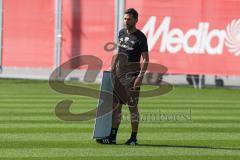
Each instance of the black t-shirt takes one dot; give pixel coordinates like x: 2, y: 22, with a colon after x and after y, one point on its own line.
x: 132, y: 45
x: 130, y: 48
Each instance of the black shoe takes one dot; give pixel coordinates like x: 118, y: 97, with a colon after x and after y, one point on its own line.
x: 106, y: 140
x: 131, y: 142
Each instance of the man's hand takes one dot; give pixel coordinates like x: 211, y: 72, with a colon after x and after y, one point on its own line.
x: 137, y: 82
x: 113, y: 63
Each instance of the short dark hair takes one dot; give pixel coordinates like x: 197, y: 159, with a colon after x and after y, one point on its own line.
x: 133, y: 12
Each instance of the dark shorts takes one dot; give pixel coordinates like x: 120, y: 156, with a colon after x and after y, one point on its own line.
x: 123, y: 92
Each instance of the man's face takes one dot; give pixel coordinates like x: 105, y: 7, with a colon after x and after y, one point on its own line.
x: 129, y: 21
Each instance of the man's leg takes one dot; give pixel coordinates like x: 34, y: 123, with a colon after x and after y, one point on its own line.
x: 116, y: 119
x: 134, y: 123
x: 134, y: 118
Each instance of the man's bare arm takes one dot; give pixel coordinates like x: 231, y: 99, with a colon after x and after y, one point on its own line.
x: 144, y: 65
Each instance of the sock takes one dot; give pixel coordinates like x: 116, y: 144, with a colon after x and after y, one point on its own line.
x: 134, y: 136
x: 113, y: 133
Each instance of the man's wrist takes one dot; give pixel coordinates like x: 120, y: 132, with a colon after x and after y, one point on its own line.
x: 140, y: 75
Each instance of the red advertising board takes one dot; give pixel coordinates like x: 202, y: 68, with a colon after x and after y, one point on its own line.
x: 28, y: 33
x: 192, y: 36
x: 187, y: 36
x: 87, y: 25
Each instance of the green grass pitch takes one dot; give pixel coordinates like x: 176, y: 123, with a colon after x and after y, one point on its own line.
x: 185, y: 124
